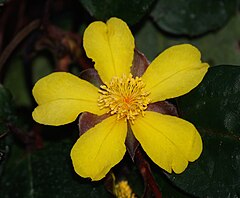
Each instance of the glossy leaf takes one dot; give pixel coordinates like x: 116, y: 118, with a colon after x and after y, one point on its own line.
x: 214, y: 108
x: 130, y: 11
x: 46, y: 173
x: 168, y: 190
x: 192, y: 17
x: 151, y: 42
x: 126, y: 170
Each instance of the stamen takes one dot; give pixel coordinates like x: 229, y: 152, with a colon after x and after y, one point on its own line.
x: 125, y: 97
x: 123, y: 190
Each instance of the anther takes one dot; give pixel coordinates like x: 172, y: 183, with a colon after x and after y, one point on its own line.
x: 125, y: 97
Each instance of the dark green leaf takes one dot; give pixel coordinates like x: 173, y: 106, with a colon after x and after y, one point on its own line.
x: 168, y: 190
x: 15, y: 81
x: 47, y: 173
x: 127, y: 170
x: 42, y: 67
x: 136, y: 181
x: 6, y: 109
x: 192, y: 17
x: 130, y: 11
x: 151, y: 42
x: 4, y: 148
x: 214, y: 108
x: 5, y: 103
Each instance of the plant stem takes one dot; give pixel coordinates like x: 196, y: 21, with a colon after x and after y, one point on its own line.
x: 151, y: 187
x: 17, y: 40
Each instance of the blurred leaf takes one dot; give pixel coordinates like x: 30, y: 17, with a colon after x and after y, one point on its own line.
x: 2, y: 2
x: 7, y: 113
x: 224, y: 41
x: 214, y: 108
x: 46, y: 173
x: 41, y: 67
x: 8, y: 120
x: 15, y: 81
x: 130, y: 11
x: 4, y: 149
x: 151, y: 42
x: 5, y: 103
x: 192, y: 17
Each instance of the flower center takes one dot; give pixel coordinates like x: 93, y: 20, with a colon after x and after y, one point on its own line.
x: 125, y: 97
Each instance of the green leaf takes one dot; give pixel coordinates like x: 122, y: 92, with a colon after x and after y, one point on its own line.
x: 46, y: 173
x: 130, y: 11
x: 192, y: 17
x: 128, y: 171
x: 151, y: 42
x: 41, y: 67
x: 214, y: 108
x: 7, y: 113
x: 15, y: 81
x: 5, y: 103
x: 167, y: 188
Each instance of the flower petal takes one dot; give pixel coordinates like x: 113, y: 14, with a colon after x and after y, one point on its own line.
x: 169, y: 141
x: 62, y: 97
x: 100, y: 148
x: 174, y: 72
x: 111, y: 46
x: 62, y: 111
x: 63, y: 85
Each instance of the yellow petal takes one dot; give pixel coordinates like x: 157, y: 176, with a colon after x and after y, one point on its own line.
x: 169, y: 141
x: 62, y: 111
x: 111, y: 46
x: 174, y: 72
x: 61, y: 97
x: 63, y: 85
x: 100, y: 148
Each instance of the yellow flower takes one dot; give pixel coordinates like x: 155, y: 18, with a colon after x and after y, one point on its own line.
x: 123, y: 190
x: 169, y: 141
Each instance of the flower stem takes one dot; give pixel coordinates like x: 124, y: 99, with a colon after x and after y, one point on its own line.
x: 151, y: 187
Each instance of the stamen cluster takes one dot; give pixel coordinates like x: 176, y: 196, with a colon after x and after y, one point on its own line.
x: 123, y: 190
x: 124, y: 96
